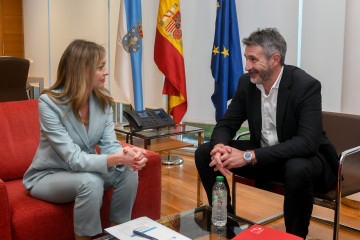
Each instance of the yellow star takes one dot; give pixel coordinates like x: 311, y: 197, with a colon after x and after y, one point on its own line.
x: 225, y: 52
x: 218, y: 4
x: 216, y: 50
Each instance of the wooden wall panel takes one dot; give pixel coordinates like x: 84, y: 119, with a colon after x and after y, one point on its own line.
x: 11, y: 28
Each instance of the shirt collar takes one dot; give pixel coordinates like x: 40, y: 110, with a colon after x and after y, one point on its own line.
x: 276, y: 83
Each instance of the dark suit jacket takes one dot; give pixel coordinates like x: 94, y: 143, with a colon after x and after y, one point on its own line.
x: 298, y: 120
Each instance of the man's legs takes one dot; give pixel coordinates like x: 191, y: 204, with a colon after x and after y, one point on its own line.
x: 208, y: 175
x: 300, y: 176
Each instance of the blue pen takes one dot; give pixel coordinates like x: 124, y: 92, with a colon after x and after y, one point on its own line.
x: 141, y: 234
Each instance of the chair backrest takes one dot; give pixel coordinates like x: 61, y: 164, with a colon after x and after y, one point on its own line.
x: 20, y: 137
x: 343, y: 130
x: 13, y: 76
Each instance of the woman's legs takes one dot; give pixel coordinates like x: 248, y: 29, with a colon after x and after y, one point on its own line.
x: 85, y: 188
x: 125, y: 188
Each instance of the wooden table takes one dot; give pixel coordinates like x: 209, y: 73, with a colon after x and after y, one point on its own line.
x: 158, y: 140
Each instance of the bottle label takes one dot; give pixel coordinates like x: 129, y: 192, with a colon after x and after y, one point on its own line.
x: 220, y: 198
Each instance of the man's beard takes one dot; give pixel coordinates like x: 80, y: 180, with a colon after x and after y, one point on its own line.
x: 264, y: 75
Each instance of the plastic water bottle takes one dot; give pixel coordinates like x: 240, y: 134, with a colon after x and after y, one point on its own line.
x: 218, y: 233
x: 219, y: 202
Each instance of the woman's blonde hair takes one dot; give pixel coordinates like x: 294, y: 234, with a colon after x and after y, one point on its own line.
x: 75, y: 75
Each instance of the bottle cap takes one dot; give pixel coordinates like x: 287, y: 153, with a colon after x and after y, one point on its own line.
x: 220, y: 178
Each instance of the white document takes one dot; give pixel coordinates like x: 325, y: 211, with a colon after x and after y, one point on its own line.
x: 146, y: 225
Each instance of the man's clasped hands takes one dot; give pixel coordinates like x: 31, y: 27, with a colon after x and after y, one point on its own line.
x: 225, y: 158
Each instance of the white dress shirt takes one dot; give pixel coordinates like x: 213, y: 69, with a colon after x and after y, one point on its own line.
x: 268, y: 113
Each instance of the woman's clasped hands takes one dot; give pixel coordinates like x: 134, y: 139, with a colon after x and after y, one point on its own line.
x: 137, y: 157
x: 132, y: 157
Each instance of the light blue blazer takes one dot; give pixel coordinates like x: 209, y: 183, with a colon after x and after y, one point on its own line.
x: 65, y: 145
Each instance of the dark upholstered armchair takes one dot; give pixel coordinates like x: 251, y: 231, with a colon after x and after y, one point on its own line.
x: 13, y: 75
x: 343, y: 130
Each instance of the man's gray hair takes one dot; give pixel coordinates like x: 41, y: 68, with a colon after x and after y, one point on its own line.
x: 270, y: 40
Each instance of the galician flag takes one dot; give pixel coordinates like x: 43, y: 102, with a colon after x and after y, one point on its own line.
x: 226, y: 61
x: 168, y: 55
x: 128, y: 56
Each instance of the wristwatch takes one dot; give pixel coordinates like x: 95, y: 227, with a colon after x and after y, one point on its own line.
x: 248, y: 156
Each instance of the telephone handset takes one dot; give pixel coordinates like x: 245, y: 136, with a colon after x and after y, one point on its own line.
x: 149, y: 118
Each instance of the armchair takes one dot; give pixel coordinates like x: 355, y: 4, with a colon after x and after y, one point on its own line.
x: 343, y: 130
x: 24, y: 217
x: 13, y: 77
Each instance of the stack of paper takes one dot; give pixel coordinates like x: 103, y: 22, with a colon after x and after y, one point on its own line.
x: 145, y: 225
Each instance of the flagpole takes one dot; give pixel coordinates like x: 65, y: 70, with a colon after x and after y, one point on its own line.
x: 169, y: 159
x: 168, y: 47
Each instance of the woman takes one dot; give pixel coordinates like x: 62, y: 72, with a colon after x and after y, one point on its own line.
x: 75, y: 116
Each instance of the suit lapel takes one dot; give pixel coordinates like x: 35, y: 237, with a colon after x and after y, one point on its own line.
x: 78, y: 126
x: 282, y: 100
x: 96, y: 116
x: 255, y: 116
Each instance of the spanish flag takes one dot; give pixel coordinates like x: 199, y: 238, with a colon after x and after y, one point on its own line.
x: 168, y: 55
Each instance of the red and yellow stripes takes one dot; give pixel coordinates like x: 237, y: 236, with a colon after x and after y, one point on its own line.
x: 169, y: 56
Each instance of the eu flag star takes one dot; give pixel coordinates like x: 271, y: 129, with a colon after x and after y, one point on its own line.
x: 225, y: 52
x: 216, y: 50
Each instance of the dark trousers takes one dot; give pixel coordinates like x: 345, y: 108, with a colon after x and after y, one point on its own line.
x: 298, y: 174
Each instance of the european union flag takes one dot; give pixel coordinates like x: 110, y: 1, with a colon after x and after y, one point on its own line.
x: 226, y: 61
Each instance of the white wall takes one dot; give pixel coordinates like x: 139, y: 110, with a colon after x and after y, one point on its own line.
x: 323, y: 47
x: 35, y: 13
x: 69, y: 20
x: 351, y: 83
x: 281, y: 14
x: 322, y: 43
x: 198, y: 23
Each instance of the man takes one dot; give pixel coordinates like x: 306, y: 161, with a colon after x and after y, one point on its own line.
x: 282, y: 105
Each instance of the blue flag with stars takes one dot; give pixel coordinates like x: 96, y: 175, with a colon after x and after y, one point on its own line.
x: 226, y: 60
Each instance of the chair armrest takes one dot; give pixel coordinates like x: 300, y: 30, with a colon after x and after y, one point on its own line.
x: 242, y: 134
x: 350, y: 151
x: 343, y: 155
x: 148, y: 199
x: 5, y: 219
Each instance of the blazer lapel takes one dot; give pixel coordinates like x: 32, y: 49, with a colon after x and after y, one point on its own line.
x: 78, y: 126
x: 255, y: 116
x: 283, y: 96
x: 96, y: 116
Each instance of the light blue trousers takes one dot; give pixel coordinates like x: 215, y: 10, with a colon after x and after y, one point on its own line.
x: 87, y: 189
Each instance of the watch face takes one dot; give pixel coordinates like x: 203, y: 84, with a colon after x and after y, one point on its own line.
x: 247, y: 156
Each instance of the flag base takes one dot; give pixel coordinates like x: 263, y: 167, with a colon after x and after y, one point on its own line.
x: 171, y: 160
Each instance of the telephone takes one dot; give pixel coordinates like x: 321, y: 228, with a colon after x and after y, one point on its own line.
x: 149, y: 118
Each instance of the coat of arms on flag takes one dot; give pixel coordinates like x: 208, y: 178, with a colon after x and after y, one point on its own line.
x: 172, y: 21
x: 128, y: 57
x: 131, y: 41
